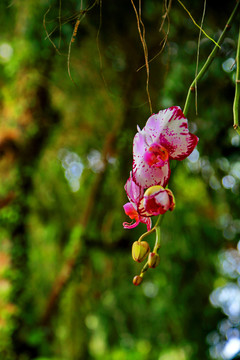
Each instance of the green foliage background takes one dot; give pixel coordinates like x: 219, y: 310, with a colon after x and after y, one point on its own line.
x: 66, y: 270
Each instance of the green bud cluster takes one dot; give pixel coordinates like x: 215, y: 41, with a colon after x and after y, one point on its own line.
x: 141, y: 250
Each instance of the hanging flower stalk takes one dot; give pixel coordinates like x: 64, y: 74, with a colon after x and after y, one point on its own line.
x: 165, y: 137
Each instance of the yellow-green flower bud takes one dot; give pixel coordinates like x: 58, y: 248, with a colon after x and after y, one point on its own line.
x: 153, y: 260
x: 137, y: 280
x: 140, y: 250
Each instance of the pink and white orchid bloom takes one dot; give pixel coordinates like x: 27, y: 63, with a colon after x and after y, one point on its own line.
x: 157, y: 200
x: 164, y: 137
x: 134, y: 209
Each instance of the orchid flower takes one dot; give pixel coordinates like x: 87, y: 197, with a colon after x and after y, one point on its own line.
x: 157, y: 200
x: 164, y: 137
x: 134, y: 209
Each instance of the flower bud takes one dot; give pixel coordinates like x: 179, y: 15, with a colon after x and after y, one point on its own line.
x: 137, y: 280
x: 140, y: 250
x: 153, y: 260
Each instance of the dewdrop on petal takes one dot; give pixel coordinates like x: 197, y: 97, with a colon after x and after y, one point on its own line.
x: 140, y: 250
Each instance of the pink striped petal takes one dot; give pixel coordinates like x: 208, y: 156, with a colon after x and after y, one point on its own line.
x: 157, y: 200
x: 142, y: 210
x: 170, y: 129
x: 146, y: 176
x: 131, y: 210
x: 147, y: 221
x: 134, y: 192
x: 143, y: 174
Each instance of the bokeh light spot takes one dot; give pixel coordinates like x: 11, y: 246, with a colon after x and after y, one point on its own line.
x: 228, y: 181
x: 6, y: 52
x: 229, y: 65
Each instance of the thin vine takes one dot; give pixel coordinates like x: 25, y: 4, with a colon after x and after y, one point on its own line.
x: 145, y: 49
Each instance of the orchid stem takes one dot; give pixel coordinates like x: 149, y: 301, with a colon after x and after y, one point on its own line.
x: 144, y: 269
x: 150, y: 231
x: 157, y: 222
x: 237, y: 90
x: 158, y: 237
x: 146, y: 234
x: 209, y: 60
x: 156, y: 228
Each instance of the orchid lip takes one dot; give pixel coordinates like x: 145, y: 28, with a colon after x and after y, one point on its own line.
x: 131, y: 225
x: 132, y: 208
x: 160, y: 150
x: 156, y: 155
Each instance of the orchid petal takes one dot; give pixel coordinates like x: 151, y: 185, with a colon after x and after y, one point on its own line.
x: 147, y: 221
x: 158, y: 200
x: 170, y: 128
x: 171, y: 199
x: 143, y: 174
x: 146, y: 176
x: 134, y: 192
x: 131, y: 210
x: 142, y: 210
